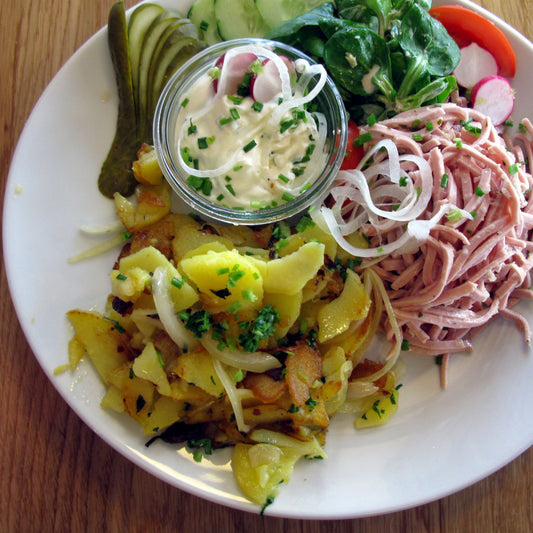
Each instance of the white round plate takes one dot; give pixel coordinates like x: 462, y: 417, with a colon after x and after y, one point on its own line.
x: 437, y: 443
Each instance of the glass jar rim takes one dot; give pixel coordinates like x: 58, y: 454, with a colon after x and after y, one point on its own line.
x: 169, y: 104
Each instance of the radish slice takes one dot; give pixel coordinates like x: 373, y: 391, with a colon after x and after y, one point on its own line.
x: 475, y: 64
x: 494, y: 97
x: 233, y: 71
x: 267, y: 84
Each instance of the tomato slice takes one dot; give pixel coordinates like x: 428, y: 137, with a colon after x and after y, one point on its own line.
x: 354, y: 154
x: 466, y: 26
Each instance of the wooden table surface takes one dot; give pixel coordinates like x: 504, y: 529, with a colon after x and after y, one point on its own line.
x: 55, y: 473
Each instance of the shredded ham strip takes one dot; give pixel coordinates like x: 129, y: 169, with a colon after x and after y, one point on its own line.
x: 467, y: 271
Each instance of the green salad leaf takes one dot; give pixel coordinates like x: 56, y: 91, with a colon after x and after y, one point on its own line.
x: 386, y: 56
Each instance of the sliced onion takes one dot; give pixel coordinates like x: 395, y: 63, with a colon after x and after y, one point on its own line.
x: 251, y: 361
x: 101, y: 229
x: 360, y: 389
x: 232, y: 393
x: 165, y: 309
x: 101, y: 248
x: 310, y: 448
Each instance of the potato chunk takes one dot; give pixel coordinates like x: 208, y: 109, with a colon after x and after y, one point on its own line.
x: 353, y: 303
x: 261, y: 468
x: 140, y: 266
x: 289, y: 274
x: 149, y: 366
x: 225, y: 280
x: 153, y: 203
x: 196, y: 367
x: 105, y: 346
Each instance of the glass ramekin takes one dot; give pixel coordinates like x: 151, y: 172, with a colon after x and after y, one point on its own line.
x: 329, y: 103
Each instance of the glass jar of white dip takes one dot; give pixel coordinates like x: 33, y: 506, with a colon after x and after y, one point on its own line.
x: 250, y: 150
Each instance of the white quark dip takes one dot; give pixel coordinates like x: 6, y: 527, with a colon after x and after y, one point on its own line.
x: 243, y: 154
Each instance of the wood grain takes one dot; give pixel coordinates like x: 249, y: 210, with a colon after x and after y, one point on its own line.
x: 55, y: 474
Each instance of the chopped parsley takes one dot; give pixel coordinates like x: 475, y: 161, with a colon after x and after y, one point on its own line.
x: 261, y: 328
x: 200, y: 447
x: 199, y: 322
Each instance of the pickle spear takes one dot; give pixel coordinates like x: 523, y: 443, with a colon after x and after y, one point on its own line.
x: 116, y: 174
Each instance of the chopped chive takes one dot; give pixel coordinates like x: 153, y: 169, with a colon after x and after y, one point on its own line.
x: 234, y: 113
x: 444, y: 181
x: 185, y: 102
x: 220, y: 197
x: 458, y: 142
x: 429, y: 126
x: 479, y: 192
x: 121, y: 277
x: 221, y: 271
x: 362, y: 139
x: 237, y: 100
x: 256, y: 67
x: 238, y: 376
x: 508, y: 123
x: 178, y: 283
x: 204, y: 25
x: 513, y: 169
x: 252, y: 144
x: 474, y: 130
x: 403, y: 181
x: 200, y: 184
x: 230, y: 189
x: 257, y: 106
x: 236, y: 168
x: 258, y: 204
x: 417, y: 137
x: 160, y: 359
x: 283, y: 178
x: 287, y: 197
x: 285, y: 125
x: 298, y: 171
x: 192, y: 129
x: 202, y: 143
x: 248, y: 295
x: 405, y: 345
x: 522, y: 128
x: 225, y: 120
x: 454, y: 215
x: 371, y: 120
x: 244, y: 87
x: 214, y: 73
x: 305, y: 222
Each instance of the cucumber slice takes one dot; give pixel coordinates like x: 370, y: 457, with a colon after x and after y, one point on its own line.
x: 139, y: 22
x: 151, y: 38
x: 177, y: 44
x: 202, y: 15
x: 239, y: 18
x: 181, y: 53
x: 275, y: 12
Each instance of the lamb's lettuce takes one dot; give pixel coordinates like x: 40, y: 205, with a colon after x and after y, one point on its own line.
x: 386, y: 56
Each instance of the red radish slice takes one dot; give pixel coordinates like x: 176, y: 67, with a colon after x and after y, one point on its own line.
x: 475, y: 64
x: 233, y: 71
x: 267, y: 84
x: 494, y: 97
